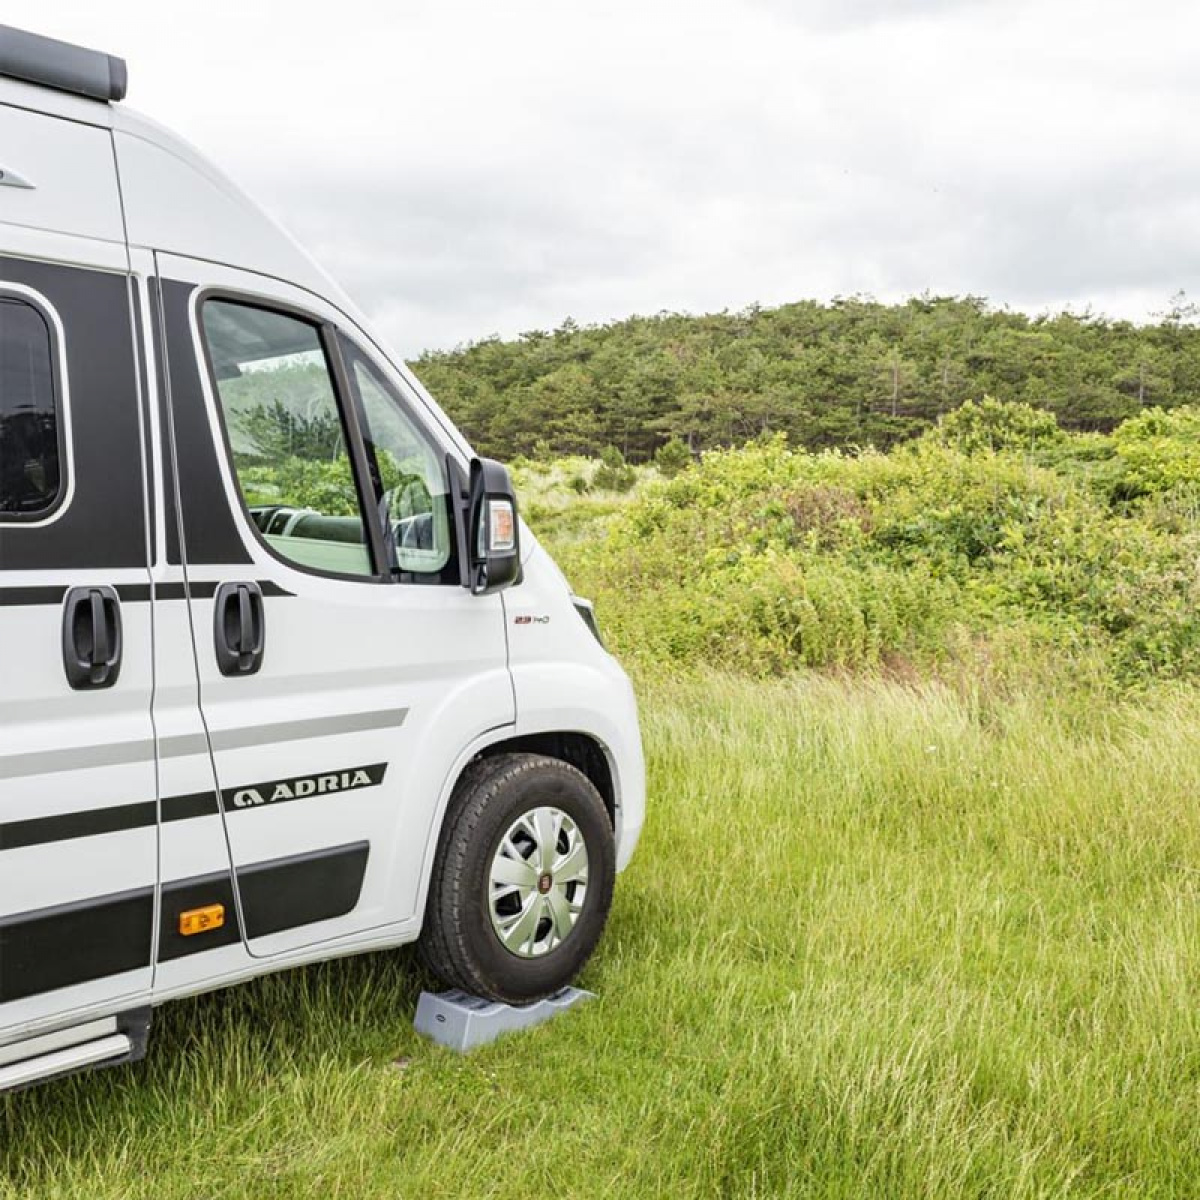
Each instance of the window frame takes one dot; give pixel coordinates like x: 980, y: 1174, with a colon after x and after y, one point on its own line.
x: 360, y: 468
x: 60, y: 396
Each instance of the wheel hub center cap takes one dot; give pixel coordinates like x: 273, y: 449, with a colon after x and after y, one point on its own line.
x: 545, y: 882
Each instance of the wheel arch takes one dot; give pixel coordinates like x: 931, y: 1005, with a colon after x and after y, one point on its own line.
x: 584, y: 751
x: 580, y: 750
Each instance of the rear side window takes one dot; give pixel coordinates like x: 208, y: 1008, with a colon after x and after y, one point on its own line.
x: 31, y: 471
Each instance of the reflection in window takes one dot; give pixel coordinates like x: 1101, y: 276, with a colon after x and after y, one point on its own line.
x: 413, y: 473
x: 30, y: 472
x: 287, y: 437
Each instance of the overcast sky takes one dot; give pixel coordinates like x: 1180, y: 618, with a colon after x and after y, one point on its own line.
x: 470, y: 167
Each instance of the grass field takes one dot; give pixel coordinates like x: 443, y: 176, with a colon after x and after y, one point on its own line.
x: 878, y: 941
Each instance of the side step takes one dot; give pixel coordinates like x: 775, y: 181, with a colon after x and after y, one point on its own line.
x: 108, y: 1042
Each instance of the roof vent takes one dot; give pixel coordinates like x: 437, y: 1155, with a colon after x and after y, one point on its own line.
x: 37, y: 59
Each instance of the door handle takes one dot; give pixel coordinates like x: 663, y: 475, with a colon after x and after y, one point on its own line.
x: 239, y: 628
x: 91, y: 637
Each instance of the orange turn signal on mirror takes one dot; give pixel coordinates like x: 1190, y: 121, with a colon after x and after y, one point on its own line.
x: 502, y: 536
x: 201, y: 920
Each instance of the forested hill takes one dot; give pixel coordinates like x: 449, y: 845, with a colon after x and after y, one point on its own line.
x: 852, y: 372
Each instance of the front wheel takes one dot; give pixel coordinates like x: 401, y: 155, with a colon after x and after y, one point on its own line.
x: 523, y: 879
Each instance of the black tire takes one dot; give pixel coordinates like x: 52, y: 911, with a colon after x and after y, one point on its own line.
x: 458, y: 942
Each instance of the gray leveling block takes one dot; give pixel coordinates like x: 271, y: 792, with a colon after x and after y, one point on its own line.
x: 462, y: 1022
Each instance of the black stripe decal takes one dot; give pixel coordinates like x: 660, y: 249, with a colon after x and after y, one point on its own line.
x: 130, y: 593
x: 121, y: 818
x: 139, y: 342
x: 30, y: 596
x: 58, y: 947
x: 187, y: 808
x: 63, y: 827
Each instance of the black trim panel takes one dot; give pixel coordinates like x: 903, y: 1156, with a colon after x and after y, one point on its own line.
x: 58, y: 947
x: 209, y: 532
x: 278, y: 895
x: 301, y: 890
x: 104, y: 525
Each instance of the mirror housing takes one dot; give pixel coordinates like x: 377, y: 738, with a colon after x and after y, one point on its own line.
x: 493, y: 539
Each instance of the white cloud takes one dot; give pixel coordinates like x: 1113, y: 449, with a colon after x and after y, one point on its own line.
x: 471, y: 167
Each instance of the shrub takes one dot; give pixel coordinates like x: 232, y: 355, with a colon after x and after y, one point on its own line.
x: 995, y: 425
x: 765, y: 559
x: 1159, y: 451
x: 671, y: 458
x: 614, y: 474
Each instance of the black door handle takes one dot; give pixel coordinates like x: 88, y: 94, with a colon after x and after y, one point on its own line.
x: 91, y: 637
x: 239, y: 628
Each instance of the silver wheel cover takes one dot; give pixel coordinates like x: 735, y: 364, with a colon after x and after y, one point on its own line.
x: 537, y: 882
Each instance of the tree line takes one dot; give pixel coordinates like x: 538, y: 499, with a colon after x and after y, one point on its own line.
x: 850, y: 372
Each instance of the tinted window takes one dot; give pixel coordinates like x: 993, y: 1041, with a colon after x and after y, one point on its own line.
x: 30, y: 469
x: 287, y: 436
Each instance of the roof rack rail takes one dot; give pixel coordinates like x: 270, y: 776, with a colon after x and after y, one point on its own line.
x: 36, y: 59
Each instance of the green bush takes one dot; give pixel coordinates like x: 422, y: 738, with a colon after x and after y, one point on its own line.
x: 1159, y: 451
x: 765, y: 559
x: 613, y: 474
x: 990, y: 424
x: 671, y: 458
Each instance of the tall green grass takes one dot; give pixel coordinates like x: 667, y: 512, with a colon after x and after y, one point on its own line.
x: 879, y: 940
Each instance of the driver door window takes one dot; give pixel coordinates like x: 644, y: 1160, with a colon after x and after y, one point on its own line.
x: 287, y: 436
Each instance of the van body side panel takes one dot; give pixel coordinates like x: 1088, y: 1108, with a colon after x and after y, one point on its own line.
x: 178, y: 203
x: 69, y: 169
x: 78, y: 793
x: 565, y: 680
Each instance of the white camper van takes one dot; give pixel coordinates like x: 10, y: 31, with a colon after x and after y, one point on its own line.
x: 282, y: 676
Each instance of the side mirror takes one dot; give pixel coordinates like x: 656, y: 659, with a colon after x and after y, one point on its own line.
x: 493, y: 544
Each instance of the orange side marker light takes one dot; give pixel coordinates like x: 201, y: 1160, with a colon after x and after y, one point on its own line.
x: 201, y: 920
